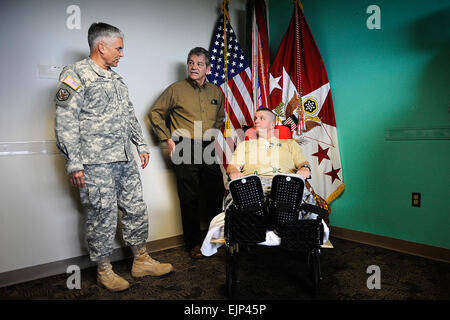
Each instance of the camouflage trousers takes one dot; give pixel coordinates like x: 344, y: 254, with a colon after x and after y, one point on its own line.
x: 109, y: 187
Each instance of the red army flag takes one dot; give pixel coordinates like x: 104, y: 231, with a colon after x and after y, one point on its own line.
x: 298, y: 74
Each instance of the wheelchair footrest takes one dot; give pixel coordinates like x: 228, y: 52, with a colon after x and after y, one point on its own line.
x: 245, y: 219
x: 245, y: 226
x: 285, y: 199
x: 301, y: 235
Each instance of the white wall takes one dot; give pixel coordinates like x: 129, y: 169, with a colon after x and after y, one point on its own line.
x: 41, y: 219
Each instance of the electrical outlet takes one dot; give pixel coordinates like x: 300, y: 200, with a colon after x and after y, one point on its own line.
x: 416, y: 199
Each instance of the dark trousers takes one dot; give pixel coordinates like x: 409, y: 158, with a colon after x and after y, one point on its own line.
x: 200, y: 191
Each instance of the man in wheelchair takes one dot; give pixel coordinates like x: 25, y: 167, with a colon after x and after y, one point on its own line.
x: 265, y: 156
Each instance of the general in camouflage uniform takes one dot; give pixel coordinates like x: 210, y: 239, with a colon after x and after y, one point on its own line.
x: 95, y: 125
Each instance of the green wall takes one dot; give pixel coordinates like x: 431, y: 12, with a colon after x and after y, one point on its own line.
x: 395, y: 77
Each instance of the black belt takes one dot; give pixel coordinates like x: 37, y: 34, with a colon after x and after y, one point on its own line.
x: 203, y: 143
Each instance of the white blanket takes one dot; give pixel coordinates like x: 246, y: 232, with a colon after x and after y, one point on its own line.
x: 216, y: 231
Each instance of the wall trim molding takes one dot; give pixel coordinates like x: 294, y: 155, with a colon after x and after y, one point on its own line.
x: 28, y: 148
x: 414, y: 248
x: 46, y: 147
x: 60, y: 267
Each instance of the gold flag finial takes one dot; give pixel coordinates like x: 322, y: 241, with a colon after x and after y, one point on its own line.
x: 300, y: 5
x: 225, y: 9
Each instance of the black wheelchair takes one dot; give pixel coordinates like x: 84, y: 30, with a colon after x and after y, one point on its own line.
x: 251, y: 215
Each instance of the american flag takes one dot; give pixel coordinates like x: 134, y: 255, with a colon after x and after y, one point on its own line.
x: 240, y: 110
x: 291, y: 122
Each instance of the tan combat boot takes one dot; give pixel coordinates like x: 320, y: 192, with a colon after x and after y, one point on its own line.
x: 110, y: 280
x: 144, y: 265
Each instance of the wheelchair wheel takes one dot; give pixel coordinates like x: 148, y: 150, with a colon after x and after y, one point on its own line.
x: 232, y: 269
x: 314, y: 265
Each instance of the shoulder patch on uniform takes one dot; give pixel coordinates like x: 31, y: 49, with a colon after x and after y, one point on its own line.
x: 71, y: 83
x: 62, y: 94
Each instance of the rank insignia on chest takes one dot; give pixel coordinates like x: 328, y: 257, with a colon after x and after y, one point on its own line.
x: 62, y: 94
x: 213, y: 101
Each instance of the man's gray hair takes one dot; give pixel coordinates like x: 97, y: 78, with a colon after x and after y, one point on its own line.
x: 101, y: 31
x: 198, y: 51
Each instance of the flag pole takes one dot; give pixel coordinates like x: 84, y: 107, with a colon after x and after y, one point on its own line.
x: 225, y: 64
x: 254, y: 59
x: 263, y: 75
x: 298, y: 52
x: 259, y: 65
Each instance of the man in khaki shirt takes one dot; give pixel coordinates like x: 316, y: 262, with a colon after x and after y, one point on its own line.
x: 188, y: 115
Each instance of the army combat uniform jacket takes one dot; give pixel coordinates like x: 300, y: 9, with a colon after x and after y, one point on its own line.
x: 95, y: 121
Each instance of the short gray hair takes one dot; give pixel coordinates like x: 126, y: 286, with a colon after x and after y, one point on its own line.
x: 198, y: 51
x: 100, y: 30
